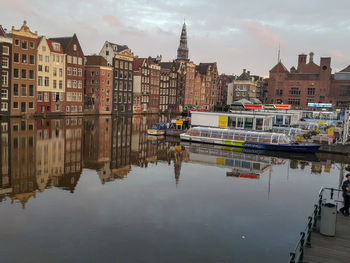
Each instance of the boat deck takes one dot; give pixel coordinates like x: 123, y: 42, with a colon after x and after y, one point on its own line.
x: 331, y: 249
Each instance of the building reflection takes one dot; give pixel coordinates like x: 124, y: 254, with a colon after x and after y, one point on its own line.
x: 45, y: 153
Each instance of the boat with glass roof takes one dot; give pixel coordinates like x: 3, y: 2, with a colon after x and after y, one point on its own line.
x: 247, y: 139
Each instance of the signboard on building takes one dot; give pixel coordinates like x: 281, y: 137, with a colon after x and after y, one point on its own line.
x: 319, y: 105
x: 252, y: 106
x: 223, y: 121
x: 282, y: 106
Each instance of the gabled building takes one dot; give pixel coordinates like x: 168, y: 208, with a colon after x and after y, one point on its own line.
x: 24, y: 64
x: 110, y: 49
x: 5, y: 71
x: 74, y: 74
x: 209, y: 72
x: 142, y: 74
x: 189, y: 86
x: 170, y: 76
x: 154, y: 86
x: 340, y: 88
x: 247, y: 86
x: 308, y: 82
x: 98, y: 86
x: 51, y: 62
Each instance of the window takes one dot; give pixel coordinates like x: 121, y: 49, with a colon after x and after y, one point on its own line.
x: 4, y: 78
x: 31, y: 91
x: 31, y: 105
x: 24, y: 44
x: 47, y: 69
x: 40, y: 57
x: 4, y: 106
x: 60, y: 72
x: 69, y: 83
x: 69, y: 59
x: 54, y: 72
x: 294, y: 102
x: 24, y: 90
x: 80, y: 61
x: 60, y: 86
x: 40, y: 81
x: 107, y: 53
x: 74, y: 71
x: 5, y: 50
x: 74, y: 84
x: 31, y: 44
x: 24, y: 58
x: 15, y: 90
x: 4, y: 94
x: 47, y: 82
x: 40, y: 96
x: 40, y: 68
x: 54, y: 84
x: 24, y: 74
x: 46, y: 96
x: 75, y: 47
x: 80, y: 84
x: 311, y: 91
x: 31, y: 60
x: 15, y: 105
x: 69, y: 71
x: 47, y: 59
x: 31, y: 74
x: 75, y: 60
x: 16, y: 73
x: 294, y: 91
x: 80, y: 72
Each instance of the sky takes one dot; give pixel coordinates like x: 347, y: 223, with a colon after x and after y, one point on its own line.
x: 235, y: 34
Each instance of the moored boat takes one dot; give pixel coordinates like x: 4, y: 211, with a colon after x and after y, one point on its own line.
x: 247, y: 139
x: 157, y: 128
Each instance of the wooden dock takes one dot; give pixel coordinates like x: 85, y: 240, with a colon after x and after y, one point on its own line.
x: 330, y: 249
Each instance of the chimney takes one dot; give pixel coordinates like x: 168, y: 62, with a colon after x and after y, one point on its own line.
x: 311, y: 57
x: 301, y: 60
x: 248, y: 72
x: 244, y: 70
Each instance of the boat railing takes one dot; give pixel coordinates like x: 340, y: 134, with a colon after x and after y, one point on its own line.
x: 297, y: 255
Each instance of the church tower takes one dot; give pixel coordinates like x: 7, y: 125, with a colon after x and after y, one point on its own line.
x: 182, y: 51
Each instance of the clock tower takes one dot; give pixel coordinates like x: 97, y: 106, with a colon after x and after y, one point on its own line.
x: 182, y: 51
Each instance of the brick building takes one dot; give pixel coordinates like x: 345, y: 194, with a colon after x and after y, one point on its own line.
x: 154, y: 86
x: 164, y: 88
x: 340, y: 88
x: 308, y: 82
x: 24, y: 64
x: 74, y: 74
x: 189, y: 85
x: 142, y: 74
x: 169, y: 69
x: 5, y: 71
x: 247, y: 86
x: 209, y: 72
x: 223, y: 86
x: 98, y: 86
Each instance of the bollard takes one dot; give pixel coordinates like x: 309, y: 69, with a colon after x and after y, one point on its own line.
x: 332, y: 192
x: 302, y: 242
x: 292, y: 257
x: 309, y: 225
x: 314, y: 227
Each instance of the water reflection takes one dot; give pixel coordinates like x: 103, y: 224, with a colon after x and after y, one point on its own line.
x: 45, y: 153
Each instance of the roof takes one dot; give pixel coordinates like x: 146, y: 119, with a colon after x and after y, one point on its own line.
x: 65, y: 42
x: 203, y: 67
x: 2, y: 31
x: 138, y: 63
x: 166, y: 65
x: 51, y: 46
x: 347, y: 69
x: 117, y: 47
x: 95, y: 60
x: 244, y: 76
x: 279, y: 68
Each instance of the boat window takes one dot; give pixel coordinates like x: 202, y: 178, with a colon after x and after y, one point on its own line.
x: 252, y: 137
x: 227, y: 135
x: 274, y: 138
x: 239, y: 136
x: 216, y: 134
x: 283, y: 139
x: 232, y: 122
x: 193, y: 132
x: 240, y: 122
x: 265, y: 138
x: 288, y: 118
x: 279, y: 119
x: 259, y: 124
x: 248, y: 123
x: 205, y: 133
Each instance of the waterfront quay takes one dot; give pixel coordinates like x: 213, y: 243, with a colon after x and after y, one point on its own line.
x: 102, y: 188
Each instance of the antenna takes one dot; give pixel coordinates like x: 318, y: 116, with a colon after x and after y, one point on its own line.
x: 184, y: 18
x: 279, y: 53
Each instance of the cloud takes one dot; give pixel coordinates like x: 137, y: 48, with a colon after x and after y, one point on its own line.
x: 262, y: 33
x: 112, y: 20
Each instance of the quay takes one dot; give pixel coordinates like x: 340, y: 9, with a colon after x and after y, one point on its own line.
x: 330, y: 249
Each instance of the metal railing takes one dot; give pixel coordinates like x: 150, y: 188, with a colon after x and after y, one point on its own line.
x: 304, y: 241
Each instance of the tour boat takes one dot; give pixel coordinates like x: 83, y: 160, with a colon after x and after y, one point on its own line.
x: 247, y: 139
x: 157, y: 128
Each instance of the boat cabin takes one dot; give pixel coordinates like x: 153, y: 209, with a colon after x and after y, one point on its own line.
x: 240, y: 120
x: 237, y: 135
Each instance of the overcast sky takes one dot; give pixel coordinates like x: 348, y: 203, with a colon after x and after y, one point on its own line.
x: 235, y: 34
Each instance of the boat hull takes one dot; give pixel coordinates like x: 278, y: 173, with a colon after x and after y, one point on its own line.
x: 155, y: 132
x: 301, y: 148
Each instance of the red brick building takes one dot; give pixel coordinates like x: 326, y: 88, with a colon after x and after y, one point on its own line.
x: 24, y: 64
x: 74, y: 74
x: 340, y: 88
x: 5, y: 71
x: 98, y: 88
x: 154, y: 98
x: 308, y: 82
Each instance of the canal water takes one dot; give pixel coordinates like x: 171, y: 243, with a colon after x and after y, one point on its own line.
x: 101, y: 190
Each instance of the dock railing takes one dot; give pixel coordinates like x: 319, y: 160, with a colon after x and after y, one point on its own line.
x: 297, y: 255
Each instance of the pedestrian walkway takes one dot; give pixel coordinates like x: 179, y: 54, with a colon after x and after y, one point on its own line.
x: 330, y: 249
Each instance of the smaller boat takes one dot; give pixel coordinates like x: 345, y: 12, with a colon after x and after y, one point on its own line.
x: 247, y: 139
x: 157, y: 128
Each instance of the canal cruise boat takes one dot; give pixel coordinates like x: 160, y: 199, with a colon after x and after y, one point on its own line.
x: 247, y: 139
x: 157, y: 128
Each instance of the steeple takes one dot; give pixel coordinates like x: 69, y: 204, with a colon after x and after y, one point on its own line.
x: 182, y: 51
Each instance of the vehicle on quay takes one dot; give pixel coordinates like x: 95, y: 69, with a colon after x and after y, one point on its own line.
x: 247, y: 139
x: 158, y: 128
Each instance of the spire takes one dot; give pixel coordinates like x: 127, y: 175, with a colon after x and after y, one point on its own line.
x: 182, y: 51
x: 279, y: 53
